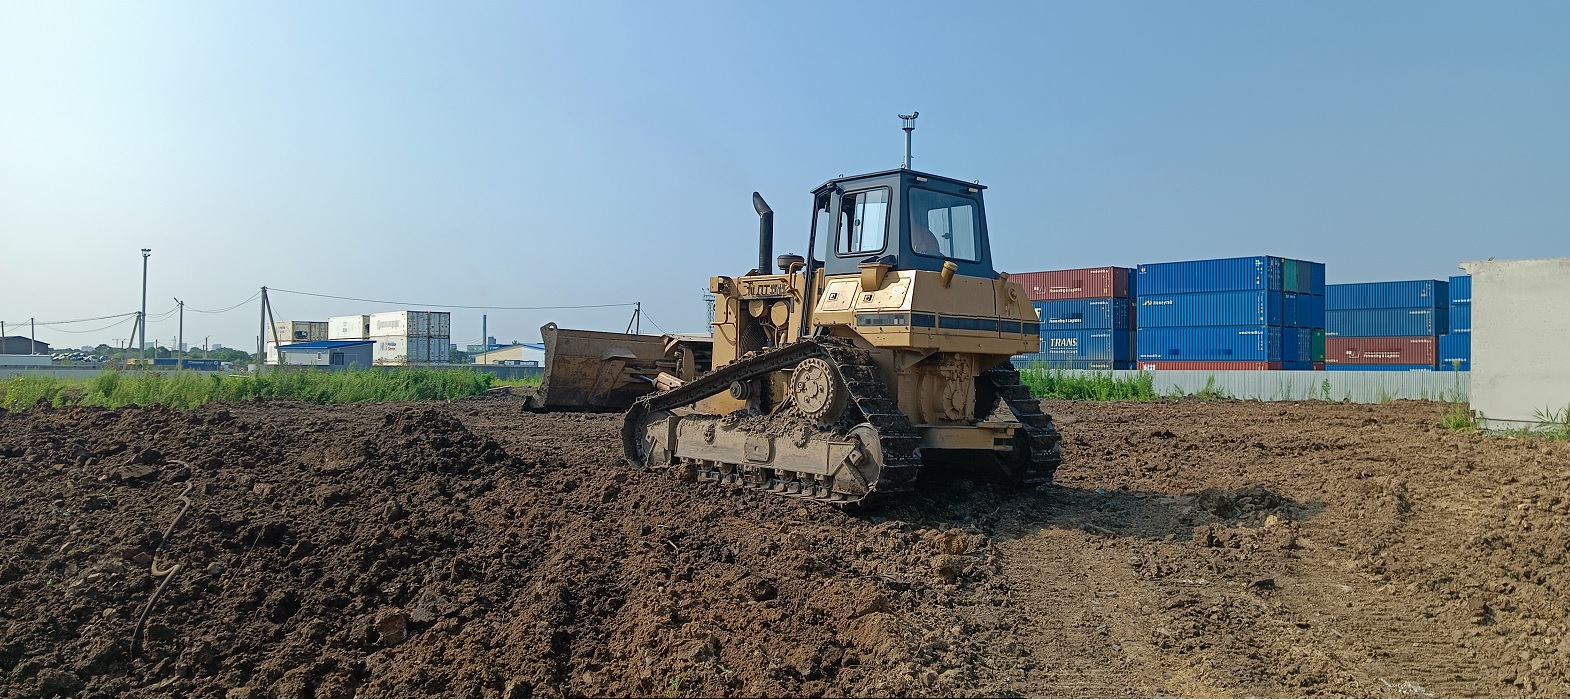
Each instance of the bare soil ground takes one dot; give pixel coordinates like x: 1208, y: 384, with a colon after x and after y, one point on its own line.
x: 466, y: 548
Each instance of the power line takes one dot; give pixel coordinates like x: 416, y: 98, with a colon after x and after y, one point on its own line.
x: 120, y: 322
x: 652, y: 323
x: 227, y: 309
x: 451, y: 306
x: 61, y: 323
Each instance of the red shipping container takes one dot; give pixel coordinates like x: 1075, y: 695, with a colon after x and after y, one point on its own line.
x: 1400, y: 350
x: 1208, y: 365
x: 1319, y: 367
x: 1084, y: 283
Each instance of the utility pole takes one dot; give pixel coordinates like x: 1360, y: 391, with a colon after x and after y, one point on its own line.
x: 261, y: 348
x: 635, y: 324
x: 179, y: 340
x: 32, y: 336
x: 141, y: 342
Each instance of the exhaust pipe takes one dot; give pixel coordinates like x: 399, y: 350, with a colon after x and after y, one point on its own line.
x: 765, y: 234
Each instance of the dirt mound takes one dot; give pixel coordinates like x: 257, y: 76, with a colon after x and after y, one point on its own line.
x: 389, y: 550
x: 1188, y: 547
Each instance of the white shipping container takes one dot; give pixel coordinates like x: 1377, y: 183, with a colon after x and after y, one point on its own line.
x: 409, y: 350
x: 298, y: 331
x: 411, y: 324
x: 349, y: 327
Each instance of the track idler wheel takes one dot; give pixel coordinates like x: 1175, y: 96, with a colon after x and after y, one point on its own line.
x: 818, y: 391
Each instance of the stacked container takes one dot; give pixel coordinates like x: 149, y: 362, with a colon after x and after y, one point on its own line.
x: 287, y: 332
x: 410, y: 337
x: 1385, y: 325
x: 356, y: 327
x: 1231, y: 314
x: 1455, y: 347
x: 1087, y: 317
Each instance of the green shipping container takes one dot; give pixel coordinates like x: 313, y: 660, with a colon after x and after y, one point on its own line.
x: 1289, y: 276
x: 1316, y: 347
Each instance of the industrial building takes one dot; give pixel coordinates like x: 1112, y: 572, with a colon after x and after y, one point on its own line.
x: 22, y: 345
x: 328, y: 354
x: 523, y: 354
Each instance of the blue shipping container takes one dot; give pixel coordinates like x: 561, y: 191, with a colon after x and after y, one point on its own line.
x: 1302, y: 311
x: 1375, y: 323
x: 1460, y: 289
x: 1216, y: 343
x: 1460, y: 318
x: 1318, y: 279
x: 1210, y: 309
x: 1378, y: 368
x: 1455, y: 348
x: 1387, y: 295
x: 1261, y: 273
x: 1297, y: 345
x: 1104, y: 345
x: 1065, y: 314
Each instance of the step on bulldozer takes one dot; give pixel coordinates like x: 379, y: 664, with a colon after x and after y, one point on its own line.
x: 843, y: 373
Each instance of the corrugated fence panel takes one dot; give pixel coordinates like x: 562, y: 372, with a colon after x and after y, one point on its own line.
x: 1357, y: 387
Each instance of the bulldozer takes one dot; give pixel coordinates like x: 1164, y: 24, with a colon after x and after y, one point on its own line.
x: 838, y: 375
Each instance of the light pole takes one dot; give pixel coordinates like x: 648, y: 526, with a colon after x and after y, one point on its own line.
x: 141, y: 338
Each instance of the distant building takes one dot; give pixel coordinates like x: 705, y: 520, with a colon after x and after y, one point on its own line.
x: 524, y: 354
x: 328, y: 354
x: 22, y: 345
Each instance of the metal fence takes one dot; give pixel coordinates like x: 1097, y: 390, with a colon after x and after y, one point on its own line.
x: 84, y: 372
x: 1357, y: 387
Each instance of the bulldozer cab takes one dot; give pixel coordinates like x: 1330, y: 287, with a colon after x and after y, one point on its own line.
x: 907, y: 219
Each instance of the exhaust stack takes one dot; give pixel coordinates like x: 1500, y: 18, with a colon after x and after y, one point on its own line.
x: 909, y: 126
x: 765, y: 234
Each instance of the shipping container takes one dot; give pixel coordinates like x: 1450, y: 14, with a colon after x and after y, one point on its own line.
x: 298, y: 331
x: 1460, y: 289
x: 1297, y: 345
x: 1302, y: 310
x: 1220, y: 366
x: 1101, y: 345
x: 1455, y: 351
x: 1254, y: 343
x: 1303, y: 277
x: 1387, y: 295
x: 1231, y: 274
x: 1378, y: 368
x: 1083, y: 283
x: 1375, y: 323
x: 1422, y: 350
x: 411, y: 323
x: 410, y: 350
x: 1459, y: 318
x: 1210, y: 309
x: 1316, y: 351
x: 356, y: 327
x: 1064, y: 314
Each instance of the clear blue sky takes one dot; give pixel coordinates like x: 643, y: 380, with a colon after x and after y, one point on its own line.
x: 590, y: 152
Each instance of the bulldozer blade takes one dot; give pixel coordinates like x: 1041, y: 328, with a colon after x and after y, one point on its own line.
x: 597, y: 371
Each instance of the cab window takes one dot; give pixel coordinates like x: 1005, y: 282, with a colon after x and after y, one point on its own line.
x: 943, y: 225
x: 864, y: 222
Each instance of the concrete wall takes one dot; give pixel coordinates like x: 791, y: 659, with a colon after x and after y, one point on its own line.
x: 1520, y: 339
x: 1357, y: 387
